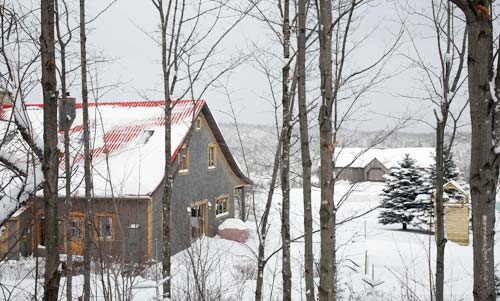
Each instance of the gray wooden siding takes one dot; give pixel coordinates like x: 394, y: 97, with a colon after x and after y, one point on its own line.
x: 200, y: 183
x: 352, y: 174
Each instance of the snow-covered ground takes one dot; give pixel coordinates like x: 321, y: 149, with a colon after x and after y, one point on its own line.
x: 400, y: 259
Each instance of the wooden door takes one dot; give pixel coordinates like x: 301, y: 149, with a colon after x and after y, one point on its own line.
x: 199, y: 219
x: 77, y: 230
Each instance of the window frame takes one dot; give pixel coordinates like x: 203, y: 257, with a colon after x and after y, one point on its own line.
x: 212, y: 146
x: 98, y: 226
x: 183, y: 162
x: 198, y: 123
x: 227, y: 199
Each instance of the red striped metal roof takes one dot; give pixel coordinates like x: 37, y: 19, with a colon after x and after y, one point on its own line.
x: 117, y: 136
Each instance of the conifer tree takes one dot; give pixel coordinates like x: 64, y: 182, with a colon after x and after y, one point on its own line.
x: 400, y: 202
x: 451, y: 171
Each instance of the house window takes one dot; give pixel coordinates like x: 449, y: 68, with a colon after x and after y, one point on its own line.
x: 105, y: 226
x: 222, y: 205
x: 198, y: 123
x: 41, y: 231
x: 146, y: 135
x: 4, y: 241
x: 211, y: 155
x: 76, y: 228
x: 183, y: 159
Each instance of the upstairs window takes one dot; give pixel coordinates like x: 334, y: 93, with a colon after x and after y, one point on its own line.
x: 183, y: 159
x: 145, y: 137
x: 105, y: 226
x: 198, y: 123
x: 212, y: 152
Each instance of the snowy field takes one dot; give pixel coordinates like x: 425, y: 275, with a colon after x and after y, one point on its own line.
x: 227, y: 269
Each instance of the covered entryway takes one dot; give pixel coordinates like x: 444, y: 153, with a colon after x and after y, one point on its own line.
x: 199, y: 219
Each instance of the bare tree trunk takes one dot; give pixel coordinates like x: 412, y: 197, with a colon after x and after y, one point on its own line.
x: 285, y: 158
x: 65, y: 124
x: 441, y: 119
x: 484, y: 160
x: 304, y: 147
x: 440, y: 237
x: 484, y: 163
x: 168, y: 177
x: 263, y: 227
x: 50, y: 163
x: 88, y: 235
x: 325, y: 131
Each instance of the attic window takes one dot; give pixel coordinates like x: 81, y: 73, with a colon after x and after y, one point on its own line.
x: 145, y: 137
x: 9, y: 136
x: 198, y: 123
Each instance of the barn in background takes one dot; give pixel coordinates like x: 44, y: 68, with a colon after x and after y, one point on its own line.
x: 361, y: 164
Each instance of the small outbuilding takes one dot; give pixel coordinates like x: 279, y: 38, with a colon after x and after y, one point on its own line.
x: 361, y: 164
x: 456, y: 212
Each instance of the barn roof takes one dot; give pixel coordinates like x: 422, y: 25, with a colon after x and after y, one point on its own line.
x: 390, y: 157
x: 127, y: 143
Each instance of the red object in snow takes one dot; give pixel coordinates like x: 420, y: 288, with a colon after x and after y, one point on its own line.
x: 233, y: 229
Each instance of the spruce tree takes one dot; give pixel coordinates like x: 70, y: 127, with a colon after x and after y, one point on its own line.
x: 400, y: 201
x: 451, y: 171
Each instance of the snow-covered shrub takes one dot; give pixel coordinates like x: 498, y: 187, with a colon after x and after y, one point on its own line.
x: 245, y: 270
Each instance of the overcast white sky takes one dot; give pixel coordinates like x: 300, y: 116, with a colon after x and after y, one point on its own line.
x: 120, y: 34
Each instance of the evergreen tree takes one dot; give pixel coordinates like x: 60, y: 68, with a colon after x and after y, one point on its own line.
x: 451, y: 171
x: 401, y: 202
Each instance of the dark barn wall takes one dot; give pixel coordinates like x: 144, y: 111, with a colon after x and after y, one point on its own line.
x: 17, y: 238
x: 200, y: 183
x: 352, y: 174
x: 130, y: 242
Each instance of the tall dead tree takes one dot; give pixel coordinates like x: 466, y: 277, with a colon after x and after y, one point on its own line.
x: 87, y: 159
x: 305, y: 149
x: 64, y: 123
x: 449, y: 85
x: 50, y: 162
x: 285, y: 157
x: 326, y: 158
x: 483, y: 84
x: 441, y: 84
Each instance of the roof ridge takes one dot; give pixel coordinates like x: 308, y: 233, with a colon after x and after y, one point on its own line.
x: 126, y: 103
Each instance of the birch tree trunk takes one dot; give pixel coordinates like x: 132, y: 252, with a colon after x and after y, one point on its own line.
x: 50, y: 162
x: 484, y: 112
x: 304, y: 148
x: 285, y: 158
x: 325, y: 132
x: 88, y: 235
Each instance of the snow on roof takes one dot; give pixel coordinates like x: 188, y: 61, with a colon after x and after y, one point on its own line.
x: 390, y: 157
x: 233, y: 223
x: 127, y: 143
x: 457, y: 186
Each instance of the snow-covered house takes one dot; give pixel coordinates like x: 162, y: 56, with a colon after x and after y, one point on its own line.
x: 359, y: 164
x: 127, y: 146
